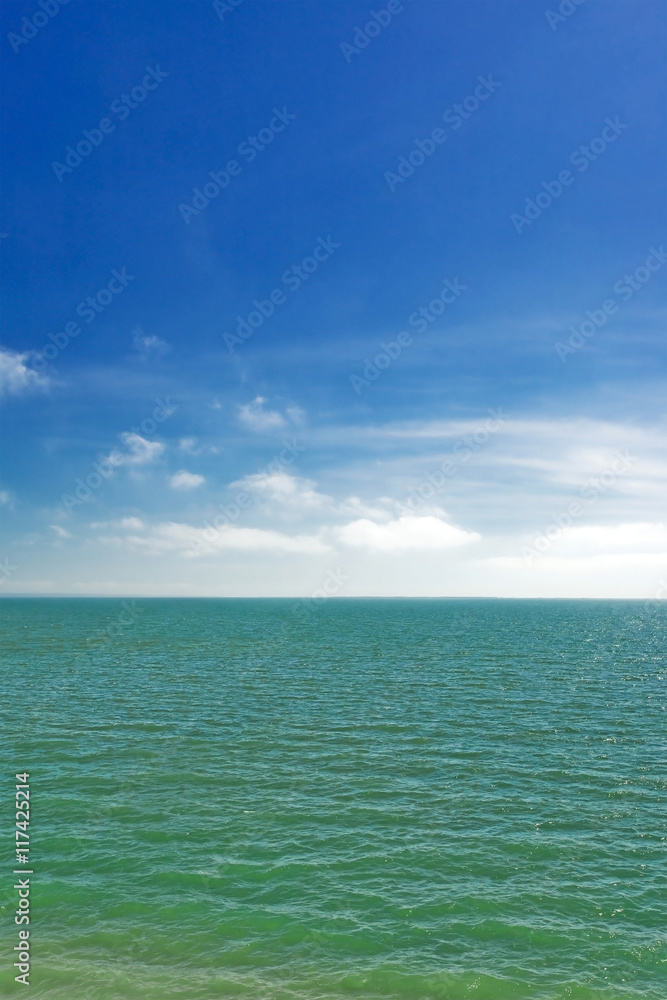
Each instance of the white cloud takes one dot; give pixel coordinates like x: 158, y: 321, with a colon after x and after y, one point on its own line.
x: 355, y: 507
x: 517, y: 475
x: 192, y: 446
x: 581, y: 548
x: 132, y: 524
x: 146, y: 346
x: 288, y: 493
x: 189, y: 445
x: 636, y: 537
x: 190, y: 541
x: 296, y: 414
x: 405, y: 534
x: 60, y: 532
x: 16, y: 377
x: 256, y: 418
x: 127, y: 523
x: 186, y: 480
x: 140, y: 450
x: 605, y: 564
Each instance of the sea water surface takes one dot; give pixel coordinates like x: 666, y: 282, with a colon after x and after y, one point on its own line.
x: 439, y: 799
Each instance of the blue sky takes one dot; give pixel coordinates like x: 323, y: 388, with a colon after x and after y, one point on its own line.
x: 490, y: 110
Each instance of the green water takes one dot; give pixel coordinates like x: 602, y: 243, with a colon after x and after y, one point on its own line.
x: 414, y: 799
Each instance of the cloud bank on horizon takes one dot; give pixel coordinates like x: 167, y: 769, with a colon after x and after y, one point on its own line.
x: 407, y: 334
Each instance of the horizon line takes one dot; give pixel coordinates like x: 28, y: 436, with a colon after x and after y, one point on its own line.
x: 349, y: 597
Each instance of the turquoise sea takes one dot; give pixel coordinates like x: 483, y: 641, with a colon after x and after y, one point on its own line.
x: 377, y: 798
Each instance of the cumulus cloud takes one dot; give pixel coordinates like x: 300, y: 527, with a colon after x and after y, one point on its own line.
x: 186, y: 480
x: 256, y: 418
x: 405, y: 534
x: 287, y: 493
x: 140, y: 451
x: 16, y: 377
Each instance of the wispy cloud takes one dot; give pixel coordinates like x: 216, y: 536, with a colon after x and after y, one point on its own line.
x: 132, y: 524
x: 147, y: 346
x: 191, y: 542
x: 60, y: 532
x: 581, y: 548
x: 256, y: 418
x: 189, y: 445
